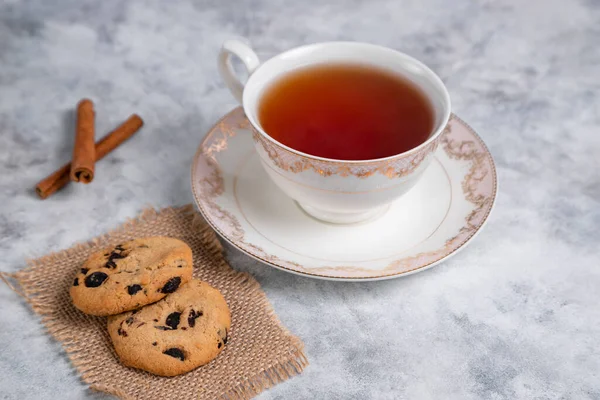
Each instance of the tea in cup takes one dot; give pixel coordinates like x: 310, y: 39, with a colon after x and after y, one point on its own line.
x: 343, y: 128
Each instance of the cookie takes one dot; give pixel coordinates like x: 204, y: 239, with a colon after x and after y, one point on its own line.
x: 131, y: 274
x: 181, y: 332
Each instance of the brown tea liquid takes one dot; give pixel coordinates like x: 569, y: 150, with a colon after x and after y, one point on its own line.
x: 346, y: 112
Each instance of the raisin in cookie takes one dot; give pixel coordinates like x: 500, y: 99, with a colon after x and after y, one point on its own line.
x: 181, y: 332
x: 131, y: 275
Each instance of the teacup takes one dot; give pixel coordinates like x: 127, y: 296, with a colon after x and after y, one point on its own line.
x: 336, y: 191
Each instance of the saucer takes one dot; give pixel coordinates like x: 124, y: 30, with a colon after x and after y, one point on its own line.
x: 433, y: 221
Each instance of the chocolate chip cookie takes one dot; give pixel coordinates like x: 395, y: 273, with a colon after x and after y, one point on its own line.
x: 131, y: 274
x: 181, y: 332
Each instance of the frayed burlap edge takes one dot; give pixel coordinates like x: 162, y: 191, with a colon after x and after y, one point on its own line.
x: 247, y: 389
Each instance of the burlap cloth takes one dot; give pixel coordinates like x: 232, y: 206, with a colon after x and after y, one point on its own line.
x: 259, y: 354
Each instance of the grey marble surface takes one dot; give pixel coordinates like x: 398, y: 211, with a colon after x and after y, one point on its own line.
x: 515, y: 316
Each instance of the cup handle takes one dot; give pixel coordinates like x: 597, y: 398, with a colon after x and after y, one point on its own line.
x: 238, y: 48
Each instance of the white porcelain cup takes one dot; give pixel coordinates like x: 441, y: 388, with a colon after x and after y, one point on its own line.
x: 337, y: 191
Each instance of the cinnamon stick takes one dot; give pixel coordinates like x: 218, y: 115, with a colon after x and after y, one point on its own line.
x: 84, y: 151
x: 108, y: 143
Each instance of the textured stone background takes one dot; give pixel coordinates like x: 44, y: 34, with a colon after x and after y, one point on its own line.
x: 515, y: 316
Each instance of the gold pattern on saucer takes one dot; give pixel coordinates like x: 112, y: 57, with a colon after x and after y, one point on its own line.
x: 474, y: 190
x: 396, y: 167
x: 213, y: 186
x: 460, y: 150
x: 224, y: 131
